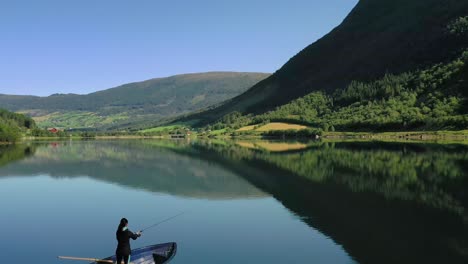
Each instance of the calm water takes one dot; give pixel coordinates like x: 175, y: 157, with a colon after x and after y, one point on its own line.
x: 244, y: 202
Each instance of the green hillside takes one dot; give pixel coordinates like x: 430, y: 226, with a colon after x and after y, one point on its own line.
x: 12, y: 125
x: 378, y: 38
x: 431, y: 99
x: 134, y: 103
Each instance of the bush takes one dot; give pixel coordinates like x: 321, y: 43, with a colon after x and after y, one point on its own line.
x: 87, y: 134
x: 8, y: 133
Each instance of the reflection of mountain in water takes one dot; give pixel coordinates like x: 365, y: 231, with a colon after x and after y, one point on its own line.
x: 384, y: 203
x: 136, y: 165
x: 432, y: 175
x: 390, y: 203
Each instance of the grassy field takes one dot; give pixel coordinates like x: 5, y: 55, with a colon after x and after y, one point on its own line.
x: 273, y: 126
x: 218, y: 132
x: 246, y: 128
x: 74, y: 119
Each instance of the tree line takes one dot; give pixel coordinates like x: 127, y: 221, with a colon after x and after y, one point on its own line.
x: 12, y: 125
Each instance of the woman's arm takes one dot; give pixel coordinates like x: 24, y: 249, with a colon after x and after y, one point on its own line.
x: 133, y: 235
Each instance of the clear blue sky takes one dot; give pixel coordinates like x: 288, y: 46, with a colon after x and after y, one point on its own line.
x: 81, y: 46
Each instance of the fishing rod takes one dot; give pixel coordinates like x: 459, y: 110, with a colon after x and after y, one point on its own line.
x: 165, y: 220
x: 87, y: 259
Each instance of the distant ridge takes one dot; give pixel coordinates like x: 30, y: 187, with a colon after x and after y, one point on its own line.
x: 136, y: 102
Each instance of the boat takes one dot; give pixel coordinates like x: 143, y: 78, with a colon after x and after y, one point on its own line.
x: 155, y: 254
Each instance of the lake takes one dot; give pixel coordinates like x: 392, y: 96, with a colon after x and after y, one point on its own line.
x: 243, y: 201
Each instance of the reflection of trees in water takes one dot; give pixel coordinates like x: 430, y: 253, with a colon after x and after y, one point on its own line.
x: 353, y: 203
x: 385, y: 203
x: 429, y: 174
x: 14, y: 152
x: 433, y: 175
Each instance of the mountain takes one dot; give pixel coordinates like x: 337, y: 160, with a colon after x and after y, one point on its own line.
x: 134, y: 103
x: 378, y: 37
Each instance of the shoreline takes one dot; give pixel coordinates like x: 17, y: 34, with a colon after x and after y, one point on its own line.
x: 461, y: 135
x: 421, y: 136
x: 413, y: 135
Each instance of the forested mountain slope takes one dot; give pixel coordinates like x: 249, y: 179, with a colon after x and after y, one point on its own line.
x: 379, y: 37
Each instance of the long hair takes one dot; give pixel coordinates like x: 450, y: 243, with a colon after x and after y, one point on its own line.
x: 122, y: 224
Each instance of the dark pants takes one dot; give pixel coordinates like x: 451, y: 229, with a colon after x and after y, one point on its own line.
x: 124, y: 258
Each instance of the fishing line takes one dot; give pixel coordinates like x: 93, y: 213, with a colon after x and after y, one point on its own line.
x: 165, y: 220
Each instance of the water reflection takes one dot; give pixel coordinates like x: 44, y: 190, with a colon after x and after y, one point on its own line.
x: 383, y: 202
x: 135, y: 164
x: 12, y: 153
x: 430, y: 174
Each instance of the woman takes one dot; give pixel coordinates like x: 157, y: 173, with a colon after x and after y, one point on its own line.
x: 123, y: 237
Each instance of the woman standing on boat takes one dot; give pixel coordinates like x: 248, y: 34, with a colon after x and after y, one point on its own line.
x: 123, y: 237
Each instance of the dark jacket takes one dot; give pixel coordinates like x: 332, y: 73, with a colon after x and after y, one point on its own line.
x: 123, y: 237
